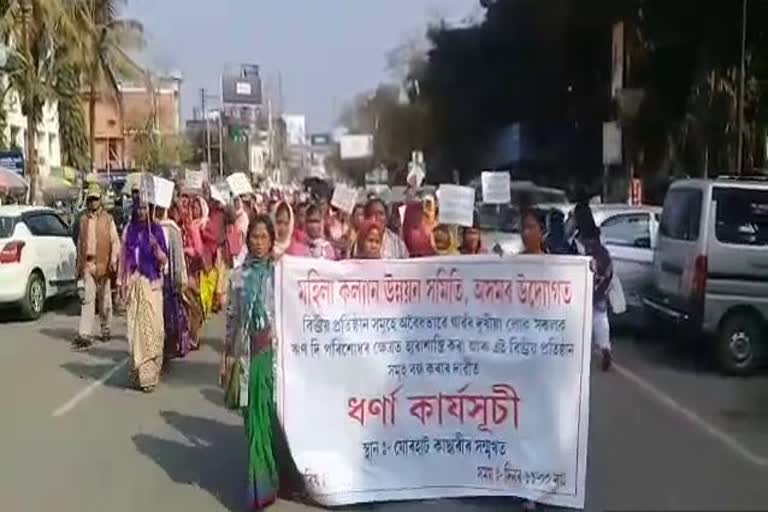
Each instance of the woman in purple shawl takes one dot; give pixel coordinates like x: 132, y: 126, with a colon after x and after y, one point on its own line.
x: 144, y: 259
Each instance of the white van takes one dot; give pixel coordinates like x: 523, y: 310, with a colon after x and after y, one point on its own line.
x: 711, y: 266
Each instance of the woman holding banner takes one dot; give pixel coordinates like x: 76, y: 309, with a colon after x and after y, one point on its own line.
x: 247, y: 360
x: 144, y: 257
x: 444, y: 240
x: 369, y: 241
x: 314, y: 244
x: 394, y: 247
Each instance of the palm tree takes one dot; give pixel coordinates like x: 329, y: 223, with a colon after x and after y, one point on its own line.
x: 36, y: 29
x: 106, y: 61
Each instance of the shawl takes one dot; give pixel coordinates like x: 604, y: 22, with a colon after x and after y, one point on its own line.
x: 250, y: 307
x: 177, y: 266
x: 281, y: 246
x: 138, y: 255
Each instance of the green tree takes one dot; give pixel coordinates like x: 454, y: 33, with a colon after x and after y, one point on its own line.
x: 38, y: 29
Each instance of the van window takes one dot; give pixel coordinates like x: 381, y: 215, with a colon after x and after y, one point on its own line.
x: 742, y: 216
x: 682, y: 211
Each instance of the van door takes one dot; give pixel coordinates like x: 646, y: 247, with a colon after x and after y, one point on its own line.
x: 677, y: 248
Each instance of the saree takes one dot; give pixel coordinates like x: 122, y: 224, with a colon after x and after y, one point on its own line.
x: 177, y: 330
x: 144, y: 317
x: 248, y: 340
x: 209, y: 283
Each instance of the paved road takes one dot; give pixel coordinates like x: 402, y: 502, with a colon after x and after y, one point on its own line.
x: 667, y: 432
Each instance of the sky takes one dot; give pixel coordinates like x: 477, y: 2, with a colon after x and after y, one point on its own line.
x: 324, y: 51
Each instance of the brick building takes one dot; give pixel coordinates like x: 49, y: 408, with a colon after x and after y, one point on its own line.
x: 117, y: 123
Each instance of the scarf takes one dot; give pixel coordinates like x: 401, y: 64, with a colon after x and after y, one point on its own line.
x: 452, y: 248
x: 281, y: 246
x: 138, y: 253
x: 415, y: 233
x: 256, y: 275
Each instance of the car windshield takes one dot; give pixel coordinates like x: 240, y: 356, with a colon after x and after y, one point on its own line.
x: 504, y: 218
x: 6, y: 226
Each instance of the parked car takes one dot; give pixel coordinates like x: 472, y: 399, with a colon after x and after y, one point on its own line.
x: 38, y: 258
x: 630, y: 235
x: 710, y: 269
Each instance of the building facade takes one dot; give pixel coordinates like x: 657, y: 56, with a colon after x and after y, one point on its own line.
x: 119, y: 121
x: 47, y: 142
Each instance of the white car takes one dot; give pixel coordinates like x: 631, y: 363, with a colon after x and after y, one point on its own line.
x: 38, y: 258
x: 630, y: 235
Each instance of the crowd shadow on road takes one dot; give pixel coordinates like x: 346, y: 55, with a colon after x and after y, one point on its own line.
x: 213, y: 458
x: 187, y: 373
x: 95, y: 371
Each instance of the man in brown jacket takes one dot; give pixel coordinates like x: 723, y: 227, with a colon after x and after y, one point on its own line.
x: 97, y: 256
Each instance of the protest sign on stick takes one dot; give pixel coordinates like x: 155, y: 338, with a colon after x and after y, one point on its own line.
x: 496, y: 187
x: 344, y: 198
x: 156, y: 190
x: 437, y: 377
x: 239, y: 184
x: 457, y: 205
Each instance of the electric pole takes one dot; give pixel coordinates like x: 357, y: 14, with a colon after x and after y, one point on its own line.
x: 207, y: 127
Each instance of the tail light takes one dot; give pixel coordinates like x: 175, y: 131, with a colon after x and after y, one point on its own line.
x: 699, y: 280
x: 11, y: 252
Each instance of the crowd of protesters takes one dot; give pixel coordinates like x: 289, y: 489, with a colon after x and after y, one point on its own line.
x: 176, y: 267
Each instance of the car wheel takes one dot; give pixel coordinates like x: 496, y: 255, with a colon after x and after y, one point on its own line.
x: 34, y: 301
x: 737, y: 343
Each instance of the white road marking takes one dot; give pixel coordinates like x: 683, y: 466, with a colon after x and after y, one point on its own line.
x: 729, y: 441
x: 90, y: 388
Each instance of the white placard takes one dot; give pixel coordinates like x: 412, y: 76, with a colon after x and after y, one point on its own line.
x: 436, y: 378
x: 239, y: 184
x: 156, y: 190
x: 344, y: 198
x: 220, y: 192
x: 457, y: 205
x: 193, y: 180
x: 496, y: 187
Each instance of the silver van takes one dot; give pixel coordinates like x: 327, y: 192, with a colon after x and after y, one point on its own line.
x: 710, y: 270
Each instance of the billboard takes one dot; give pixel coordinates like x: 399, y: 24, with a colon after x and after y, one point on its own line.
x: 356, y: 146
x: 295, y: 129
x: 243, y: 88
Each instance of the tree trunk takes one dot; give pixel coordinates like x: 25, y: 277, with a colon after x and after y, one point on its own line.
x: 31, y: 157
x: 92, y: 120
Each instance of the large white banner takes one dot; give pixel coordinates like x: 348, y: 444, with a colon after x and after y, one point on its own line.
x: 440, y: 377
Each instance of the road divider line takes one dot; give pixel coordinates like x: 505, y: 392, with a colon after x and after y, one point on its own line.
x: 658, y: 395
x: 90, y: 388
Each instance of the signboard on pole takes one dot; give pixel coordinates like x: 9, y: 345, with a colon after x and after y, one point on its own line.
x: 436, y: 378
x: 354, y: 147
x: 457, y: 205
x: 496, y: 187
x: 612, y: 154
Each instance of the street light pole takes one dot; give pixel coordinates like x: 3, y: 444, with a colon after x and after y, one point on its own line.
x: 742, y: 78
